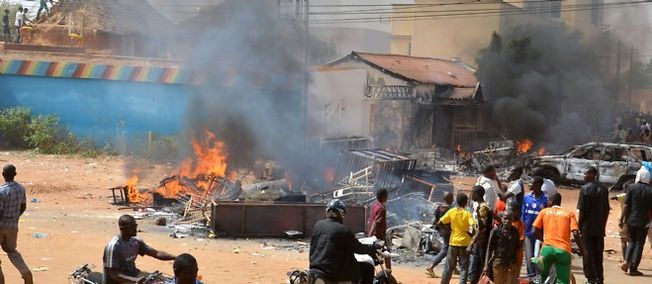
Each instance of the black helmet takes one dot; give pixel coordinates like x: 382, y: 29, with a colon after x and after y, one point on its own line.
x: 336, y: 206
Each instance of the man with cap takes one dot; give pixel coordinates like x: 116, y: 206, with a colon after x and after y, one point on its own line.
x: 332, y: 247
x: 12, y: 205
x: 638, y: 201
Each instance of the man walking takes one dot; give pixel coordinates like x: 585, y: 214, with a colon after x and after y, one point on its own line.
x: 554, y: 227
x: 533, y: 203
x: 378, y: 220
x: 444, y: 231
x: 638, y: 202
x: 593, y: 206
x: 460, y: 221
x: 43, y: 6
x: 12, y: 205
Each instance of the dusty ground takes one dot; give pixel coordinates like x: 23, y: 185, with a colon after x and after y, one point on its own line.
x: 75, y: 213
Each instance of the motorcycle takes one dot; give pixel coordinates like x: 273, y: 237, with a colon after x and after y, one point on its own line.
x: 85, y: 275
x: 380, y: 274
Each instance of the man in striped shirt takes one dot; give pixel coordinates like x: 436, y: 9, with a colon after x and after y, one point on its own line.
x: 121, y: 252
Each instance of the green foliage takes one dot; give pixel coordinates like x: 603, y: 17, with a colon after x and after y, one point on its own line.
x: 14, y: 124
x: 21, y: 130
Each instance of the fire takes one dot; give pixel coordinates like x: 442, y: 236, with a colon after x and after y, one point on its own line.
x: 541, y: 151
x: 524, y: 145
x: 132, y: 190
x: 329, y: 175
x: 208, y: 162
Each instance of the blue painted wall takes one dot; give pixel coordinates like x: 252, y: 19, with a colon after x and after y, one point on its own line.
x: 101, y: 110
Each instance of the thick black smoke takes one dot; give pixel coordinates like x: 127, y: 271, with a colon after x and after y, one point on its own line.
x: 252, y: 61
x: 545, y: 84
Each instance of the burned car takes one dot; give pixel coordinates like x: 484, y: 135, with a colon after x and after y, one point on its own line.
x: 617, y: 163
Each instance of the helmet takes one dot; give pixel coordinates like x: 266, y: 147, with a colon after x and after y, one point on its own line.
x: 336, y: 206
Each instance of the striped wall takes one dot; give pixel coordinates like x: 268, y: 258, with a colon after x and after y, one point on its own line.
x: 135, y: 73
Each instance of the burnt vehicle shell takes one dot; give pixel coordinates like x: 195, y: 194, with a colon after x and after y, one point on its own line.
x: 617, y: 163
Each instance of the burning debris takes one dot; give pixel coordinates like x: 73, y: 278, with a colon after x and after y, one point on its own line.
x: 501, y: 154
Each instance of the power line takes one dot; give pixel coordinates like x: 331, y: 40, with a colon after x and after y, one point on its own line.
x: 479, y: 13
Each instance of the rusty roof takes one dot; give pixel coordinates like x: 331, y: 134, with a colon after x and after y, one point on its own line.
x: 418, y: 69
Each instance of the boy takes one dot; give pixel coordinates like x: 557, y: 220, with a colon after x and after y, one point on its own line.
x: 484, y: 223
x: 444, y: 231
x: 502, y: 249
x: 460, y: 221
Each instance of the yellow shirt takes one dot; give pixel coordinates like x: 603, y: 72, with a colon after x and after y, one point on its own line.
x: 461, y: 222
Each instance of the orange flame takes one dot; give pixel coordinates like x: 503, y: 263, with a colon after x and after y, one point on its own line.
x: 541, y: 151
x: 524, y: 145
x: 330, y: 175
x: 209, y: 161
x: 132, y: 191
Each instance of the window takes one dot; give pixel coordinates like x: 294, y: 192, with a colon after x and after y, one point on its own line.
x: 582, y: 153
x: 641, y: 154
x: 551, y: 8
x: 596, y: 154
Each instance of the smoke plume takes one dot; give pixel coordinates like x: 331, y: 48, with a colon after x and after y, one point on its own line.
x: 252, y: 62
x: 545, y: 84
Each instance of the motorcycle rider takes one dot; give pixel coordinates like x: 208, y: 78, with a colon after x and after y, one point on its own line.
x: 121, y: 252
x: 332, y: 247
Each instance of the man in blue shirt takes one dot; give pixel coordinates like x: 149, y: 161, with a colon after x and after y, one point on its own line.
x: 533, y: 203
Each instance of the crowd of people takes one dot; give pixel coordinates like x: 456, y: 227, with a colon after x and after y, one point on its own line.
x: 642, y: 133
x: 502, y: 228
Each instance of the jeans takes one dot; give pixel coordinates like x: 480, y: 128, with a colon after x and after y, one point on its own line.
x: 456, y: 253
x: 592, y: 261
x: 530, y: 241
x: 442, y: 252
x: 477, y: 263
x: 562, y: 261
x: 635, y: 246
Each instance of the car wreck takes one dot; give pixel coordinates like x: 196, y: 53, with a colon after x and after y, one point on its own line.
x: 617, y: 163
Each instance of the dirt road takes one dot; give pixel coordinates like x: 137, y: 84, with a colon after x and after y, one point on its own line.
x: 72, y: 214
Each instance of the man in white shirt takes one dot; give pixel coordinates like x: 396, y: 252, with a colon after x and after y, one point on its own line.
x: 489, y: 181
x: 548, y: 186
x: 18, y: 23
x: 516, y: 190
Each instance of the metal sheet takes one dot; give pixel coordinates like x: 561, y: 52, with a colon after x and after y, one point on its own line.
x: 244, y: 219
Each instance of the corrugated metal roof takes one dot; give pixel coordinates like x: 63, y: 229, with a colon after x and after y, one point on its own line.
x: 456, y: 93
x: 420, y: 69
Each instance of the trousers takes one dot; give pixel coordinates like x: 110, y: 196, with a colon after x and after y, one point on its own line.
x: 456, y: 253
x: 635, y: 246
x: 592, y: 261
x: 477, y: 263
x: 9, y: 241
x: 561, y: 259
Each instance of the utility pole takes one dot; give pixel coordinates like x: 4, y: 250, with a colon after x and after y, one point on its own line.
x: 306, y: 68
x: 631, y: 77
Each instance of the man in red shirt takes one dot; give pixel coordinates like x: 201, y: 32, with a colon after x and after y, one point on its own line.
x: 378, y: 218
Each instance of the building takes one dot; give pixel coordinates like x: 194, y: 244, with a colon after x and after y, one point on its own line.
x: 449, y: 29
x: 397, y: 101
x: 117, y: 27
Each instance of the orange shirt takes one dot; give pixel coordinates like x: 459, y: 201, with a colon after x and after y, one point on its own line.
x: 520, y: 227
x: 557, y: 224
